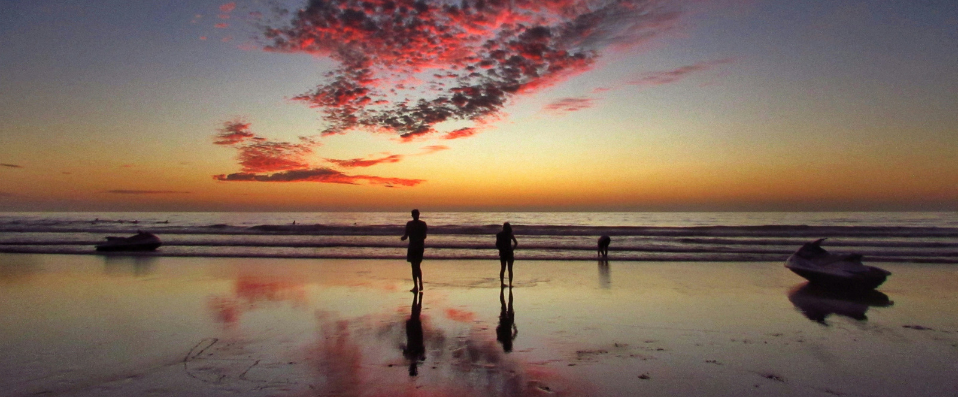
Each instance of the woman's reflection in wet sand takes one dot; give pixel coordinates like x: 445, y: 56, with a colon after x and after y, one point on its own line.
x: 506, y: 331
x: 415, y: 348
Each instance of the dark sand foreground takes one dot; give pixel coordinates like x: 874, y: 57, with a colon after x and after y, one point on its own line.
x: 124, y: 326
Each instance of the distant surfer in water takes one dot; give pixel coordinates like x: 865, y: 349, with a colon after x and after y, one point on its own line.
x: 604, y: 242
x: 416, y: 233
x: 506, y: 244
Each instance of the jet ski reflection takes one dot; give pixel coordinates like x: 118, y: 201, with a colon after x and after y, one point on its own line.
x: 817, y: 303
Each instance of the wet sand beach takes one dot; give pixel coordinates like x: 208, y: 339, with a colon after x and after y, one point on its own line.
x: 161, y: 326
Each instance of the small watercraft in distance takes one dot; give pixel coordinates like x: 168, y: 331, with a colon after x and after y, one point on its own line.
x: 141, y: 241
x: 825, y: 269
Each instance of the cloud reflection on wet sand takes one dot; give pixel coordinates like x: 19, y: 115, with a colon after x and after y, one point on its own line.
x: 364, y: 357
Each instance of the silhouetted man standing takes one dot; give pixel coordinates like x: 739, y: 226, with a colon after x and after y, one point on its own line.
x: 416, y: 233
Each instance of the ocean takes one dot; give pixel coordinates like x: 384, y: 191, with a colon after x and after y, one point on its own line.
x: 918, y: 237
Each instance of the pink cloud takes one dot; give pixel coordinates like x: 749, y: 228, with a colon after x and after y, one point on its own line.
x: 674, y: 75
x: 263, y: 160
x: 233, y: 132
x: 478, y: 54
x: 221, y: 25
x: 265, y: 156
x: 258, y: 154
x: 433, y: 149
x: 409, y: 67
x: 565, y: 105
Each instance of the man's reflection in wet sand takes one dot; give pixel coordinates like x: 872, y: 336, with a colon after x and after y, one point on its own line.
x: 605, y: 277
x: 506, y: 331
x: 415, y: 349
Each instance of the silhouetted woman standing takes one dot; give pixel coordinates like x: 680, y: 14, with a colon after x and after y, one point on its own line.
x: 506, y: 331
x: 506, y: 243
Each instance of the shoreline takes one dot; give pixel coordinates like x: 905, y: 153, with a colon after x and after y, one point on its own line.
x: 766, y: 231
x: 667, y: 256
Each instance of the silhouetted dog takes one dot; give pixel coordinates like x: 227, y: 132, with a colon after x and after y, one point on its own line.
x: 604, y: 242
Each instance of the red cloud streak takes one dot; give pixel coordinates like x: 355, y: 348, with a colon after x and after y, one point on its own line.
x: 121, y: 191
x: 353, y: 163
x: 570, y: 104
x: 323, y: 175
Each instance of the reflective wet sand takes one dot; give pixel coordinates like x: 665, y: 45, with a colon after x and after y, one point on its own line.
x: 119, y: 326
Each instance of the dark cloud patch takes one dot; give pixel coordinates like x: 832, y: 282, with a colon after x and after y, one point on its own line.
x: 322, y: 175
x: 565, y: 105
x: 5, y: 194
x: 10, y: 165
x: 146, y: 192
x: 472, y: 56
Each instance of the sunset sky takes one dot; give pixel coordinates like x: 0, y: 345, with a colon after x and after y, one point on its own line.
x: 602, y: 105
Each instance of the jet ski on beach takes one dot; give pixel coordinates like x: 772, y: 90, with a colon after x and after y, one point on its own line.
x: 825, y: 269
x: 141, y: 241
